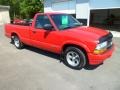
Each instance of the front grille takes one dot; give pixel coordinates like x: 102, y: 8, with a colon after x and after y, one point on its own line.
x: 107, y: 37
x: 109, y: 45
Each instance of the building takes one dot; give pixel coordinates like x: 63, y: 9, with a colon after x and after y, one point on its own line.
x: 4, y: 14
x: 86, y: 11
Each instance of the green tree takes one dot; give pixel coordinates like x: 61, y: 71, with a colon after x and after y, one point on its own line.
x: 14, y: 6
x: 4, y: 2
x: 29, y: 7
x: 23, y: 8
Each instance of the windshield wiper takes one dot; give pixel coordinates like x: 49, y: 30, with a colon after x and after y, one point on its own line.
x: 67, y: 27
x: 76, y: 25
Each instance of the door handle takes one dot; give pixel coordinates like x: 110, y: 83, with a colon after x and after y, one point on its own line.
x: 34, y: 31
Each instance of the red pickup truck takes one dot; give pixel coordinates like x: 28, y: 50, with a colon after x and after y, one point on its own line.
x: 63, y: 34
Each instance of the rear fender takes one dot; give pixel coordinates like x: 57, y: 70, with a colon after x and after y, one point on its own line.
x: 15, y: 34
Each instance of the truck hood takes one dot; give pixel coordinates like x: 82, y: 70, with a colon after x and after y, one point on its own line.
x: 85, y: 32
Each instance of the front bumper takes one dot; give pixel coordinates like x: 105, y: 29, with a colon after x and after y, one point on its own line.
x: 98, y: 59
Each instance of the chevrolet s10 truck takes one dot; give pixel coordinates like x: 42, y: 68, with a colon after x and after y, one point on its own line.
x: 62, y: 34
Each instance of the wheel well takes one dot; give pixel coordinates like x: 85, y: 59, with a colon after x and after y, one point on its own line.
x: 73, y: 45
x: 13, y: 34
x: 68, y: 45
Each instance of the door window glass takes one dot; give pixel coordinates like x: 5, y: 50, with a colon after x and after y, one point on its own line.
x: 41, y: 20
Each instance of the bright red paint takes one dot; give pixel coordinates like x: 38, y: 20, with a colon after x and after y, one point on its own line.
x: 54, y: 41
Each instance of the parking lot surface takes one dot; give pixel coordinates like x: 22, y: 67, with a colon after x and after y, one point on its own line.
x: 34, y: 69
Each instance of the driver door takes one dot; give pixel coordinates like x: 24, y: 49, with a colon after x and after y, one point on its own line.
x: 38, y: 33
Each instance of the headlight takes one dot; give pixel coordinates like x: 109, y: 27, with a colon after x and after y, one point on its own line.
x: 101, y: 45
x: 100, y: 48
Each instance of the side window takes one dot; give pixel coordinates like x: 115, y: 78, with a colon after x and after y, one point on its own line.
x: 41, y: 20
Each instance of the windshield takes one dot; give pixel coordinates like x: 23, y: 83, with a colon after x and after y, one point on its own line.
x: 65, y: 21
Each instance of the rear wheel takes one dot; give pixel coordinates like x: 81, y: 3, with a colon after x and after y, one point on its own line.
x: 16, y: 41
x: 74, y: 58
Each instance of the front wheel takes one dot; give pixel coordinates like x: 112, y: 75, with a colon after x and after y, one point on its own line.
x: 74, y: 58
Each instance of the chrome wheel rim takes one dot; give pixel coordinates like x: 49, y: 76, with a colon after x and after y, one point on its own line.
x: 73, y: 58
x: 16, y: 42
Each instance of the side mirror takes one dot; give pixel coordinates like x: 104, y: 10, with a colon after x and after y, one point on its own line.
x: 48, y: 27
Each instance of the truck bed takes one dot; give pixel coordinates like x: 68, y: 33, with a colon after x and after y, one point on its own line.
x: 20, y: 29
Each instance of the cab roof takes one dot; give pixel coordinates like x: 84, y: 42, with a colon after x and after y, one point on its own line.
x: 50, y: 13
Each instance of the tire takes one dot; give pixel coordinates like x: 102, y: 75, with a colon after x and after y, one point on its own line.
x: 16, y: 41
x: 74, y: 58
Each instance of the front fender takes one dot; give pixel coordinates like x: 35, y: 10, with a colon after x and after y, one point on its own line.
x: 82, y: 45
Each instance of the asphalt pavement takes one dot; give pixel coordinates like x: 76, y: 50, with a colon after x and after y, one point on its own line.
x: 34, y: 69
